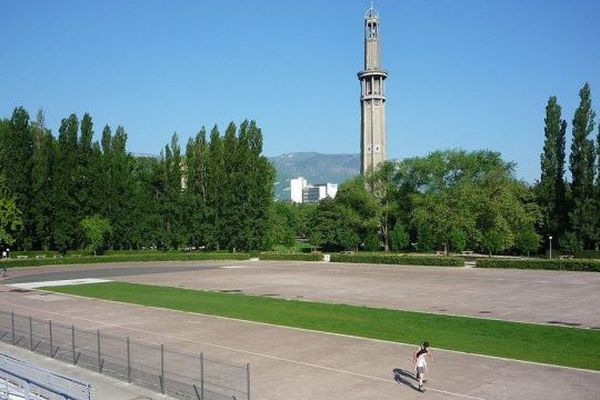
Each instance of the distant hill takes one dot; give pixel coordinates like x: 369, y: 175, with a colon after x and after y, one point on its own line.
x: 314, y: 167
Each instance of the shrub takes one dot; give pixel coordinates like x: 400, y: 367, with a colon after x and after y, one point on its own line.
x: 291, y: 256
x: 588, y: 254
x: 562, y: 265
x: 151, y: 256
x: 372, y: 242
x: 569, y: 243
x: 399, y: 259
x: 399, y: 238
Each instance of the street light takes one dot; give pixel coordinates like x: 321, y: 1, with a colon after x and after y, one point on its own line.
x: 550, y: 237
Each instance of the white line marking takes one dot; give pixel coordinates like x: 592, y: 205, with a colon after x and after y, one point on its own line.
x: 261, y: 355
x: 66, y: 282
x: 232, y: 267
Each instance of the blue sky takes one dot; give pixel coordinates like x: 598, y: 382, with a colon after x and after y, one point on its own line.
x: 463, y: 73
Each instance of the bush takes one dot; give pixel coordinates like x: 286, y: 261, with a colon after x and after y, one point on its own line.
x: 588, y: 254
x: 151, y: 256
x: 569, y: 243
x: 559, y: 265
x: 437, y: 261
x: 399, y: 238
x: 291, y: 256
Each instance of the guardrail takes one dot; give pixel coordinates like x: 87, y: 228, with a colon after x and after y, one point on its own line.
x: 180, y: 375
x: 19, y: 379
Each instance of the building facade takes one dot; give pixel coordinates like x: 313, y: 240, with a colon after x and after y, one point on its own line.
x: 372, y: 98
x: 297, y: 185
x: 302, y: 192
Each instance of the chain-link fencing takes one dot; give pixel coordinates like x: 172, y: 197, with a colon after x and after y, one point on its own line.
x: 179, y: 375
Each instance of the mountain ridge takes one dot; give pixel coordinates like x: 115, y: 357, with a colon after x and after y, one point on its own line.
x: 314, y: 167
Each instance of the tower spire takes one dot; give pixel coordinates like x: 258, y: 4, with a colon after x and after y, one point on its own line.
x: 372, y: 99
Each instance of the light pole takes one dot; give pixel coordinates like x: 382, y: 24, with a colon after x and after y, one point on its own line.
x: 550, y: 237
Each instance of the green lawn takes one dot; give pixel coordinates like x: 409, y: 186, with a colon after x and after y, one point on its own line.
x: 546, y: 344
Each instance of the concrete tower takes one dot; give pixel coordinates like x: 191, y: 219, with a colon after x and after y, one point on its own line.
x: 372, y: 98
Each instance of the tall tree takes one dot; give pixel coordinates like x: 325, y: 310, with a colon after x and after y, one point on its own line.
x: 215, y: 179
x: 582, y: 164
x: 85, y: 168
x: 195, y: 194
x: 551, y: 188
x: 120, y: 179
x: 259, y: 173
x: 66, y: 223
x: 172, y: 210
x: 16, y: 164
x: 42, y: 210
x: 146, y: 175
x: 596, y: 237
x: 384, y: 190
x: 231, y: 235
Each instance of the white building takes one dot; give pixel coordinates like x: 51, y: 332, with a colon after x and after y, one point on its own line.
x: 302, y: 192
x: 297, y: 185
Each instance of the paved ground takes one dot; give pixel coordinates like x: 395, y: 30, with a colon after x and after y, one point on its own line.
x: 37, y: 274
x: 554, y: 297
x: 294, y: 364
x: 103, y: 387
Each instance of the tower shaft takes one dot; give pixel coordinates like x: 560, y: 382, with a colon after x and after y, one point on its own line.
x: 372, y: 99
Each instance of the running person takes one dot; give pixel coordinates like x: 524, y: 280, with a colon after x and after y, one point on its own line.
x: 419, y: 358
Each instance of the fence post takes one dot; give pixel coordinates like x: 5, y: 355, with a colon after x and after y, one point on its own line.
x: 202, y: 376
x: 99, y: 354
x: 73, y: 343
x: 162, y: 368
x: 128, y: 361
x: 12, y: 324
x: 248, y: 379
x: 30, y: 333
x: 51, y: 343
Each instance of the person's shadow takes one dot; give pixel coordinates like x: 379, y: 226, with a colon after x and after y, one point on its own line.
x: 406, y: 378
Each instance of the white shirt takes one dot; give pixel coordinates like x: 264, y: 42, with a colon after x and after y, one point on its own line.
x: 421, y: 361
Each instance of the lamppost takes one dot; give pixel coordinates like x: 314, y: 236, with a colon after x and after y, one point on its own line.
x: 550, y: 237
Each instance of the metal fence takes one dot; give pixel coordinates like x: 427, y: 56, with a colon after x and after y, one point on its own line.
x: 19, y: 379
x: 180, y: 375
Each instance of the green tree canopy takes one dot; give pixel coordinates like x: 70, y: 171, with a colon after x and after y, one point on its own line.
x: 95, y: 229
x: 582, y: 161
x: 551, y: 189
x: 11, y: 221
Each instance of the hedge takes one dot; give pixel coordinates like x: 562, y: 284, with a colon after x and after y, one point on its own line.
x: 437, y: 261
x: 588, y: 254
x: 154, y: 256
x: 559, y: 265
x: 291, y: 256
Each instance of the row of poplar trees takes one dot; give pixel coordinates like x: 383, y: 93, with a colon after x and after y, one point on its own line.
x: 571, y: 209
x: 216, y: 193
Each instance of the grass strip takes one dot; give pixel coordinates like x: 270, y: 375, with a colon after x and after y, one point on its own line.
x: 571, y: 347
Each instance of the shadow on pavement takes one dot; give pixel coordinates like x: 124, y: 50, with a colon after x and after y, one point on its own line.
x: 406, y: 378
